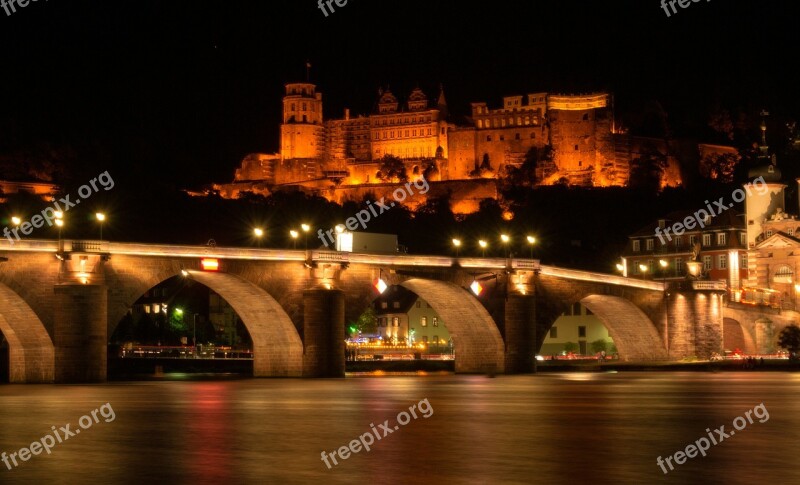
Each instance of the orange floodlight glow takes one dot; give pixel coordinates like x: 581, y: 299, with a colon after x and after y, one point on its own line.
x: 476, y: 288
x: 209, y: 264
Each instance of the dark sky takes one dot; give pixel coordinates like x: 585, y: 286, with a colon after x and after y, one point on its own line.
x: 186, y: 89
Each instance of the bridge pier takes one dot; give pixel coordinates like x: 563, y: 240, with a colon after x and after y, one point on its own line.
x: 695, y: 325
x: 80, y: 333
x: 323, y: 333
x: 520, y: 337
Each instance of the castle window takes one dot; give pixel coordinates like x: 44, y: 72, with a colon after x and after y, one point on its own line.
x: 533, y: 136
x: 516, y: 136
x: 743, y: 238
x: 480, y: 123
x: 576, y: 148
x: 414, y: 133
x: 502, y: 137
x: 488, y: 137
x: 442, y: 131
x: 586, y: 117
x: 790, y: 231
x: 429, y: 132
x: 305, y: 106
x: 293, y: 106
x: 519, y: 120
x: 406, y: 133
x: 580, y: 164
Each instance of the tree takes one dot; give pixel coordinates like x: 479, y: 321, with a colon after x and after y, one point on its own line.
x: 789, y: 339
x: 392, y: 169
x: 720, y: 166
x: 367, y: 322
x: 599, y: 345
x: 570, y: 347
x: 648, y: 169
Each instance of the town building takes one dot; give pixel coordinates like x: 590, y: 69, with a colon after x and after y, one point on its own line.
x: 403, y: 317
x: 718, y: 242
x: 579, y: 329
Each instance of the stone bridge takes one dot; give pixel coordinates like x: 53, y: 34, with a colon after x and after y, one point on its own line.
x: 61, y: 300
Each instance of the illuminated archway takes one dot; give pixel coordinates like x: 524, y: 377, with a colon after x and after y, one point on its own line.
x: 30, y: 348
x: 477, y: 342
x: 277, y: 348
x: 633, y: 333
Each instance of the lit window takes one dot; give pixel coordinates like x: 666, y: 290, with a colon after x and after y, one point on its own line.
x: 649, y: 244
x: 723, y: 261
x: 707, y: 263
x: 743, y: 260
x: 396, y: 304
x: 156, y: 308
x: 769, y: 233
x: 147, y: 308
x: 384, y: 305
x: 423, y: 321
x: 721, y: 239
x: 692, y: 240
x: 706, y: 240
x: 637, y: 245
x: 395, y: 321
x: 679, y: 266
x: 435, y: 321
x: 678, y: 242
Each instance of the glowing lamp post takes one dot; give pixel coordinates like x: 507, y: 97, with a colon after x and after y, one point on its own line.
x: 505, y: 239
x: 643, y: 268
x: 531, y: 242
x: 483, y: 244
x: 101, y: 218
x: 258, y: 233
x: 457, y: 245
x: 294, y: 234
x: 16, y: 221
x: 305, y: 228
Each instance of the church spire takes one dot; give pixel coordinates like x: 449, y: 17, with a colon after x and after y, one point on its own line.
x: 442, y: 103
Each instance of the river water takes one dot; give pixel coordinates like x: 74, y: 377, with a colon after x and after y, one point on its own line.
x: 547, y: 428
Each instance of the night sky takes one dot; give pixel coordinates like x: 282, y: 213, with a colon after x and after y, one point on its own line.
x: 185, y: 89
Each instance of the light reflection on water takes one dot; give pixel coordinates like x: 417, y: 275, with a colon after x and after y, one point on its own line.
x: 550, y: 428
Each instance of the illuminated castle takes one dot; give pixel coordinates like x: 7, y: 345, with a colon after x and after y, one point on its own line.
x: 318, y: 154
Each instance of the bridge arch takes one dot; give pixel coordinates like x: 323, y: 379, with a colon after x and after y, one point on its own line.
x: 633, y: 332
x: 277, y: 347
x: 30, y: 348
x: 477, y: 342
x: 736, y: 336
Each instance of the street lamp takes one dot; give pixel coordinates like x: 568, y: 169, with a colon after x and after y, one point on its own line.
x: 101, y: 218
x: 643, y: 269
x: 483, y: 244
x: 16, y: 220
x: 305, y: 228
x: 505, y: 239
x: 620, y: 267
x: 457, y: 244
x: 531, y: 241
x: 59, y: 224
x: 294, y: 235
x: 258, y: 232
x: 663, y: 263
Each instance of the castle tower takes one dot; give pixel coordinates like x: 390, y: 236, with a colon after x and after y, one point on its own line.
x: 759, y: 203
x: 302, y: 132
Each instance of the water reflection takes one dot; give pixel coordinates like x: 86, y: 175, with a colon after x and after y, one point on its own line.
x: 556, y: 428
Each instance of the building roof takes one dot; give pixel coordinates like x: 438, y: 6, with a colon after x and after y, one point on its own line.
x: 730, y: 219
x: 405, y: 297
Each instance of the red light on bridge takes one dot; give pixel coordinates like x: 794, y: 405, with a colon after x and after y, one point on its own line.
x: 209, y: 264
